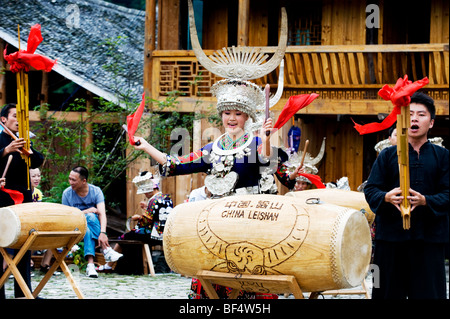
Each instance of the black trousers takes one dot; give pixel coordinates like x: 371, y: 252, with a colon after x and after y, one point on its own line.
x: 413, y: 270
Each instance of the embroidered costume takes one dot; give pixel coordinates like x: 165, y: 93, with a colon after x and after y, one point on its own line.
x: 154, y: 219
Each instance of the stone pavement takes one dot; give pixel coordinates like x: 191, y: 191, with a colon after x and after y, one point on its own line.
x: 115, y: 286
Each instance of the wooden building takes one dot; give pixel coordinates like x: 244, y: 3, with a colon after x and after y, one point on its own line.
x: 83, y: 36
x: 343, y: 50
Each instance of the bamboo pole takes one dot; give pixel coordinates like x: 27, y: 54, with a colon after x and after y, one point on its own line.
x: 403, y: 122
x: 23, y: 117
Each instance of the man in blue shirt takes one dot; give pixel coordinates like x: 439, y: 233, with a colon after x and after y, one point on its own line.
x: 91, y: 201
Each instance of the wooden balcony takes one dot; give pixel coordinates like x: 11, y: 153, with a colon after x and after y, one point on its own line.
x: 347, y: 77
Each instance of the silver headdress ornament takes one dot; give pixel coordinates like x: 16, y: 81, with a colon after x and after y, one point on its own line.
x: 146, y: 182
x: 309, y: 163
x: 386, y: 143
x: 238, y: 65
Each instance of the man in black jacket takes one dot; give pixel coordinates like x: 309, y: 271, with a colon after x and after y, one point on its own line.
x: 412, y: 261
x: 16, y: 179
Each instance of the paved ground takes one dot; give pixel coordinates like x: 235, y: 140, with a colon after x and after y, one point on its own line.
x: 114, y: 286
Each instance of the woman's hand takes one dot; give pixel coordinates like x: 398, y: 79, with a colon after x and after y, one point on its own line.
x: 295, y: 173
x: 267, y: 127
x: 136, y: 217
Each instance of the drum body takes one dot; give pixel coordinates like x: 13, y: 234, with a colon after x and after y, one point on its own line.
x: 17, y: 222
x: 340, y: 197
x: 324, y: 246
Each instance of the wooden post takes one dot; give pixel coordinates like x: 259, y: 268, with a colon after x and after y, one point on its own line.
x: 44, y: 88
x: 149, y: 46
x: 2, y: 75
x: 149, y: 43
x: 89, y: 138
x: 243, y: 18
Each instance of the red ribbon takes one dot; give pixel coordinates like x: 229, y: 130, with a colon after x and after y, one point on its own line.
x: 293, y: 105
x: 399, y: 95
x: 24, y: 59
x: 16, y: 196
x: 134, y: 119
x: 315, y: 179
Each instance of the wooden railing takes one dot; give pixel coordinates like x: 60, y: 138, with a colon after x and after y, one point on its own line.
x: 353, y: 72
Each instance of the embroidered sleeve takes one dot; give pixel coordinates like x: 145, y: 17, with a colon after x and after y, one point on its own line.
x: 282, y: 175
x: 179, y: 165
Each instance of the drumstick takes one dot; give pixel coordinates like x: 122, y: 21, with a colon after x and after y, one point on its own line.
x: 267, y: 92
x: 304, y: 153
x: 7, y: 166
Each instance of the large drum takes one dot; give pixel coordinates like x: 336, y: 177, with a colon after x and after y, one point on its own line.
x: 324, y: 246
x: 340, y: 197
x: 17, y: 222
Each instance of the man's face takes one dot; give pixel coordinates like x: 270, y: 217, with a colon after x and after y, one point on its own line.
x: 75, y: 181
x: 421, y: 120
x: 11, y: 121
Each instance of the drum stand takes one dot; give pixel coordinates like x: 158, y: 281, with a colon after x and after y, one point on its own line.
x: 282, y: 283
x: 286, y: 284
x: 72, y: 238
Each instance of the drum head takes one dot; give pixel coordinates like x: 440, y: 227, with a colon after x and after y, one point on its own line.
x: 9, y: 227
x: 355, y: 248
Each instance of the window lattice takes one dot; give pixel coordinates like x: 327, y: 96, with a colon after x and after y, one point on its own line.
x: 306, y: 25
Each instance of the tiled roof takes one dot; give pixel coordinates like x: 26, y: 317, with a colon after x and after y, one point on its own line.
x: 73, y: 31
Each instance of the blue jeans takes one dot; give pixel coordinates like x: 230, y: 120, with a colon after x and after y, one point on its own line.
x: 92, y: 233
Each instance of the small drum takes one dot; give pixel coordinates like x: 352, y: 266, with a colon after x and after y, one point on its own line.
x: 17, y: 222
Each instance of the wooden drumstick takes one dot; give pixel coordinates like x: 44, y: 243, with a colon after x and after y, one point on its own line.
x: 304, y: 153
x: 7, y: 165
x: 267, y: 92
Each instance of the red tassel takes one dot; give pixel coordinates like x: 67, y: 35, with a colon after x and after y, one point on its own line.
x: 24, y: 59
x: 134, y: 119
x: 293, y: 105
x: 315, y: 179
x: 400, y: 96
x: 16, y: 196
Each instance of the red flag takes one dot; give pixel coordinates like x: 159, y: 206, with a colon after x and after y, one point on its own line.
x: 399, y: 95
x: 24, y: 59
x: 315, y: 179
x: 293, y: 105
x: 16, y: 196
x: 133, y: 120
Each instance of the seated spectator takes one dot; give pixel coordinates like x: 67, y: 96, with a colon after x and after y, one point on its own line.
x: 150, y: 225
x: 91, y: 201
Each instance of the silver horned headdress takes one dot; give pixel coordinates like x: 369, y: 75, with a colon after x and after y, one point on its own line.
x: 146, y: 182
x: 309, y: 163
x: 237, y: 65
